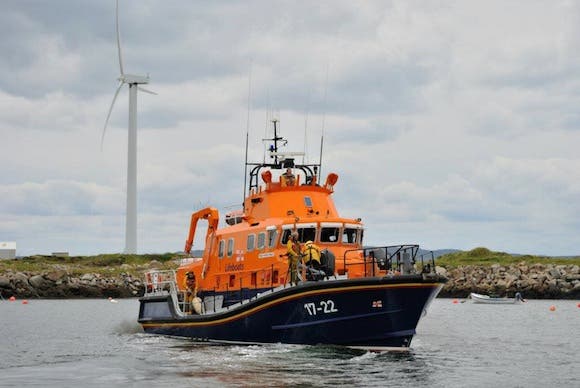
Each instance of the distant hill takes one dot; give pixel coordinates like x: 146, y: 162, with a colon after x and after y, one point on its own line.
x: 438, y: 252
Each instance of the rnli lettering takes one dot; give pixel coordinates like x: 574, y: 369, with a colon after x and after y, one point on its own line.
x: 234, y: 267
x: 323, y: 307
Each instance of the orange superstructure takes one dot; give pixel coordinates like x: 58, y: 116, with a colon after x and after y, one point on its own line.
x: 249, y: 249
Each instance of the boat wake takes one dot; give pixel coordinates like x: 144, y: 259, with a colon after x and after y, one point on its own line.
x: 127, y: 327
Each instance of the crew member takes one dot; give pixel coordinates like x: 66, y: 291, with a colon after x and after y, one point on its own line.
x: 294, y: 255
x: 312, y: 255
x: 288, y: 177
x: 190, y: 290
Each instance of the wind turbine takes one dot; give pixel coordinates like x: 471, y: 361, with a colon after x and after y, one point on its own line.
x: 133, y: 81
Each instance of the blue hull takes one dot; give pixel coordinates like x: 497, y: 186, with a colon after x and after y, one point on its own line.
x: 369, y: 312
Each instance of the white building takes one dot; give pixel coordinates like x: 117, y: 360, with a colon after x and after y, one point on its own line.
x: 8, y: 250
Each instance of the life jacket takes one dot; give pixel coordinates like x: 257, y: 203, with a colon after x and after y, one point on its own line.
x: 312, y: 252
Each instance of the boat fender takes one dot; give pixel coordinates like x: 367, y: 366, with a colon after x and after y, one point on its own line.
x: 196, y: 304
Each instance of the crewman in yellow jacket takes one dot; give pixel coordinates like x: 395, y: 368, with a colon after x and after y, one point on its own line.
x: 312, y: 255
x: 190, y: 285
x: 294, y: 255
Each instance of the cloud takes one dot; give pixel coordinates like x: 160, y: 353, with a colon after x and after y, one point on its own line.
x: 449, y: 124
x: 61, y: 198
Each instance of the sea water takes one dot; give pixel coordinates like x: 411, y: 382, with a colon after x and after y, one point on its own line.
x: 97, y: 343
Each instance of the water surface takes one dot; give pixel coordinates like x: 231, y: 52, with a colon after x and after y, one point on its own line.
x: 73, y: 343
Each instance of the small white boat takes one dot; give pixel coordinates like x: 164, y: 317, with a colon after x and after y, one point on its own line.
x: 479, y: 298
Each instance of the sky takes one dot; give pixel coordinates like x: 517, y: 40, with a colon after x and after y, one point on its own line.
x: 451, y: 124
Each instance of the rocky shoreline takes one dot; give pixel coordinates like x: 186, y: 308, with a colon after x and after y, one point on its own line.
x: 533, y: 281
x: 61, y: 285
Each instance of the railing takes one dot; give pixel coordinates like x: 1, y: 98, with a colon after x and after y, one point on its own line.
x: 158, y: 283
x: 388, y: 260
x: 267, y: 275
x: 163, y: 283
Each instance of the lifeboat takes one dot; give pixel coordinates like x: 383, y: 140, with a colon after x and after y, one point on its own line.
x: 249, y: 285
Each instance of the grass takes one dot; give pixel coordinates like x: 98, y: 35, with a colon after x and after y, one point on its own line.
x: 485, y: 257
x: 109, y: 264
x: 114, y: 264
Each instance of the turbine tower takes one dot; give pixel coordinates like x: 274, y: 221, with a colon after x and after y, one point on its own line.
x: 133, y: 81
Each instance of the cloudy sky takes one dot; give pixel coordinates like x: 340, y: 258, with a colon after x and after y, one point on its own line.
x: 452, y: 124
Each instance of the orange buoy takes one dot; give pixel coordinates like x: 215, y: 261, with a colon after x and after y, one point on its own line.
x: 455, y: 301
x: 552, y: 308
x: 12, y: 298
x: 24, y: 301
x: 578, y: 305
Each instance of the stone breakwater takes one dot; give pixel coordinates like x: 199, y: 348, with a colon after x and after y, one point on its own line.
x: 59, y: 284
x: 536, y: 281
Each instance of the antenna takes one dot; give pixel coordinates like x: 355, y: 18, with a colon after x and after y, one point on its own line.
x: 323, y: 122
x: 247, y: 133
x: 267, y: 122
x: 306, y: 126
x: 133, y: 81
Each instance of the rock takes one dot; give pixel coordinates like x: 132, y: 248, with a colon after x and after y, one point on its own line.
x: 154, y: 264
x: 19, y: 277
x: 555, y: 273
x: 87, y: 277
x: 56, y: 275
x: 5, y: 282
x: 440, y: 270
x: 38, y: 281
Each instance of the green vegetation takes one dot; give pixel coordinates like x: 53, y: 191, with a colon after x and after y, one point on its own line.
x: 485, y: 257
x: 114, y: 264
x: 109, y: 264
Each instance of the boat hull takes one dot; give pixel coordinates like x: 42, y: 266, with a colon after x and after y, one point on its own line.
x: 485, y: 299
x: 369, y: 313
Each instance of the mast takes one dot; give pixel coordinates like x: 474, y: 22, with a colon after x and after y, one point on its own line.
x: 247, y: 136
x: 276, y: 138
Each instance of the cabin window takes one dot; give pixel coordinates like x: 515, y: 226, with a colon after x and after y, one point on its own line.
x: 251, y: 242
x: 285, y: 236
x: 272, y: 237
x: 349, y: 236
x: 261, y: 240
x: 221, y: 248
x: 230, y: 247
x: 329, y: 235
x: 306, y: 234
x: 308, y: 201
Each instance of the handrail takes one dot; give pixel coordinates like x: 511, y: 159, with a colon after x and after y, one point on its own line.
x: 392, y: 259
x: 162, y: 282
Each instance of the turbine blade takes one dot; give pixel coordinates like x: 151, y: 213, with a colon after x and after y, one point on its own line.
x: 109, y: 115
x: 119, y: 40
x: 145, y: 90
